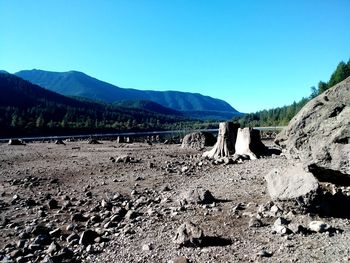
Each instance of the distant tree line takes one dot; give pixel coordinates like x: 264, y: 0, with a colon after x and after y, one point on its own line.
x: 282, y: 115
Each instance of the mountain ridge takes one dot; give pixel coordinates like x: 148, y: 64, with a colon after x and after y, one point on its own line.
x: 28, y: 108
x: 75, y: 83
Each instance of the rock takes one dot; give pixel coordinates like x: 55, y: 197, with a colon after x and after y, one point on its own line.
x: 79, y: 217
x: 290, y: 182
x: 106, y: 204
x: 93, y: 141
x: 319, y: 226
x: 53, y: 248
x: 88, y: 237
x: 42, y: 239
x: 180, y: 260
x: 281, y: 222
x: 188, y: 234
x: 319, y: 134
x: 30, y: 202
x: 131, y: 214
x: 59, y: 141
x: 296, y: 228
x: 118, y: 214
x: 53, y: 204
x: 198, y: 140
x: 264, y: 253
x: 196, y: 195
x: 184, y: 169
x: 147, y: 247
x: 56, y: 232
x: 228, y: 160
x: 16, y: 253
x: 72, y: 237
x: 123, y: 159
x: 20, y: 243
x: 255, y: 222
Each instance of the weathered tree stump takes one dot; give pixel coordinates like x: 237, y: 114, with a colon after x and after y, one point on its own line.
x: 225, y: 144
x: 120, y: 139
x: 248, y: 143
x: 16, y: 142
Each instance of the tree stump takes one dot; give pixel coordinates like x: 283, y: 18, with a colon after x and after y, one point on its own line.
x: 248, y: 143
x: 225, y: 144
x: 120, y: 139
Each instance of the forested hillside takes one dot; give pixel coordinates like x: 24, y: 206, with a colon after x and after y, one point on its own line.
x: 282, y: 115
x: 27, y: 109
x: 74, y: 83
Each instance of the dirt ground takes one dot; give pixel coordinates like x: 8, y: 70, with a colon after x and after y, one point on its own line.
x: 88, y: 180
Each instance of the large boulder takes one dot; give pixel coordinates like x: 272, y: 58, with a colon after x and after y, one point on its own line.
x: 291, y: 182
x: 319, y: 135
x: 198, y: 140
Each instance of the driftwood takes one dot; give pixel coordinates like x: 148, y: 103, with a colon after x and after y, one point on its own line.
x: 225, y: 144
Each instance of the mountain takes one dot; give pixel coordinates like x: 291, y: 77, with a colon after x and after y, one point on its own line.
x: 26, y: 108
x: 148, y: 105
x: 74, y: 83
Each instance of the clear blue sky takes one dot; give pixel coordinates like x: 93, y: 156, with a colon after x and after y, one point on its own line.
x: 253, y: 54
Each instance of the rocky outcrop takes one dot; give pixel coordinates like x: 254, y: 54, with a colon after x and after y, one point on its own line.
x: 319, y: 135
x: 198, y: 140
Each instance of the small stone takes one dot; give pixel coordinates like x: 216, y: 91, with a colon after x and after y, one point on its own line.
x: 20, y: 243
x: 131, y: 214
x: 264, y: 253
x: 72, y: 237
x: 184, y: 169
x: 42, y: 239
x: 319, y: 226
x: 255, y: 222
x: 90, y: 249
x: 87, y: 237
x: 55, y: 233
x: 53, y: 204
x: 180, y: 260
x: 16, y: 253
x: 78, y: 217
x: 188, y: 234
x: 71, y: 227
x: 196, y: 195
x: 296, y: 228
x: 147, y: 247
x: 53, y: 248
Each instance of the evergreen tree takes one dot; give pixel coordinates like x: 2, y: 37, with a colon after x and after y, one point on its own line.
x: 341, y: 73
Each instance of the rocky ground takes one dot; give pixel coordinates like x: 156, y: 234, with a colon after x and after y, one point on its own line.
x: 114, y: 202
